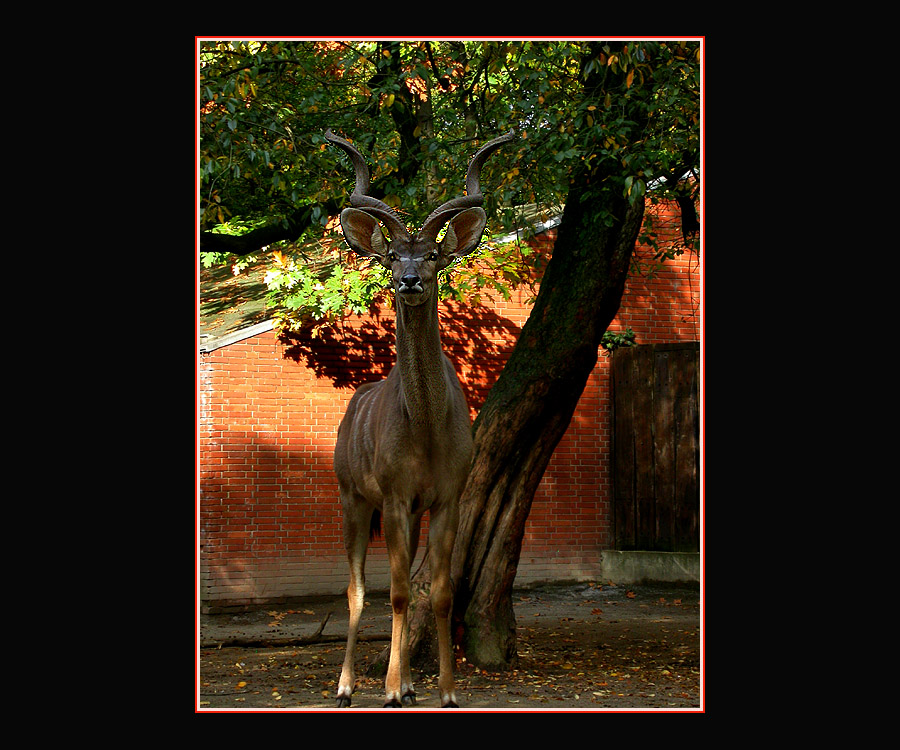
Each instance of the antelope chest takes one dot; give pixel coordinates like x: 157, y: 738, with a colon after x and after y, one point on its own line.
x: 424, y: 465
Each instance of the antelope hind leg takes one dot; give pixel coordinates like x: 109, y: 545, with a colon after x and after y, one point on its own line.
x: 357, y: 517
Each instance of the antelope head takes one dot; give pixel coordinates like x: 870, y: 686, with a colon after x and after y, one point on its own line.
x: 414, y: 259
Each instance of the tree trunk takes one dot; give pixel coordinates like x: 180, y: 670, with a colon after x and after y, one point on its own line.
x: 524, y: 417
x: 531, y: 405
x: 528, y: 411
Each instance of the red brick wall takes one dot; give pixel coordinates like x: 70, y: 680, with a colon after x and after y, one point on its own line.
x: 269, y: 511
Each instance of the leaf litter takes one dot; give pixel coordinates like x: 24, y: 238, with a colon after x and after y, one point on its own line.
x: 583, y: 646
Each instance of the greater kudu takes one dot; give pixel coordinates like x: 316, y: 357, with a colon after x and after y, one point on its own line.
x: 405, y: 445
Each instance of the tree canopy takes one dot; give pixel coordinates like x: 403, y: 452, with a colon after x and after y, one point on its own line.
x: 418, y: 110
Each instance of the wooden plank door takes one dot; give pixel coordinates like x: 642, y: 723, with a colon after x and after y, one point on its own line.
x: 656, y: 450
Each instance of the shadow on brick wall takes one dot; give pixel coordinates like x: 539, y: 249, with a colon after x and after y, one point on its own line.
x: 475, y: 337
x: 479, y: 342
x: 348, y: 355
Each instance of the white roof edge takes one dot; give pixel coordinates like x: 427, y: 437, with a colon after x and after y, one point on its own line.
x: 541, y: 226
x: 210, y: 344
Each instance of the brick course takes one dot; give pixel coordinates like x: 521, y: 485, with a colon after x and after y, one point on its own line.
x: 269, y: 512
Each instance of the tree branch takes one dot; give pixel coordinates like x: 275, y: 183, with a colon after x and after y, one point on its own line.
x: 260, y: 238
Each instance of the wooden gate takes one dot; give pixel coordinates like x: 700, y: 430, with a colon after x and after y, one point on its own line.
x: 656, y: 447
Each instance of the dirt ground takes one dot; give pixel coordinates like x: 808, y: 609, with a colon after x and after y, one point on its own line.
x: 580, y: 647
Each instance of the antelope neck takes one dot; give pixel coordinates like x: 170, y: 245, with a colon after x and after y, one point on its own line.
x: 420, y: 359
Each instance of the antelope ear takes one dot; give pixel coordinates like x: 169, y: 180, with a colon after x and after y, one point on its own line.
x: 363, y: 233
x: 463, y: 234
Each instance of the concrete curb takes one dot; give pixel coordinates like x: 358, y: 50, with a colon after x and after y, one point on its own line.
x: 641, y: 567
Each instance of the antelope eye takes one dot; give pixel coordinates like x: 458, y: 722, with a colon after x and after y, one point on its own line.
x: 433, y: 256
x: 392, y: 256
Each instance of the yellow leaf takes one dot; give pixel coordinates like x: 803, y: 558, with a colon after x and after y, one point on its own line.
x: 629, y: 78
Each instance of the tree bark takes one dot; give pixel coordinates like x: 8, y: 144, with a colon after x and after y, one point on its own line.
x: 528, y: 411
x: 530, y: 407
x: 523, y: 419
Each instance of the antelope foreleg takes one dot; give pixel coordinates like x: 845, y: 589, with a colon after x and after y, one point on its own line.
x: 441, y: 537
x: 398, y: 682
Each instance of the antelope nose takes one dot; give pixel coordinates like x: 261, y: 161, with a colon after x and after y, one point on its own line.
x: 410, y: 281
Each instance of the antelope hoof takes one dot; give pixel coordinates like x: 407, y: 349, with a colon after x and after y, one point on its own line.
x: 409, y: 699
x: 451, y: 704
x: 393, y: 703
x: 343, y: 701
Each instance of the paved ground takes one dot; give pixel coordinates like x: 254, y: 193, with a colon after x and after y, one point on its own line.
x: 580, y: 647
